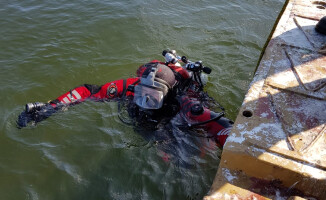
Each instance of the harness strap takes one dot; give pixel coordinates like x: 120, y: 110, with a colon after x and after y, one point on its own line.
x: 219, y: 116
x: 131, y: 87
x: 124, y: 87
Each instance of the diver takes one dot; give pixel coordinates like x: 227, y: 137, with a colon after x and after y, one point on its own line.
x: 161, y: 91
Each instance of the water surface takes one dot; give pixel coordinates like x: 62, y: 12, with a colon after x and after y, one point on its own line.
x: 49, y: 47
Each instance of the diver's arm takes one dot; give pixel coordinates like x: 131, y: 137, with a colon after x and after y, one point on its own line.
x: 75, y: 95
x: 195, y: 114
x: 36, y: 112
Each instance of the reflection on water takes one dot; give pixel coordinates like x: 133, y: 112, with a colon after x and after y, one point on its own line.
x: 87, y: 152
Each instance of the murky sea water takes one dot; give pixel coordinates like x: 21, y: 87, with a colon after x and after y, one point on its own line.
x: 49, y: 47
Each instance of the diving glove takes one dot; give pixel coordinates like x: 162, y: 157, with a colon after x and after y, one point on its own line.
x: 34, y: 112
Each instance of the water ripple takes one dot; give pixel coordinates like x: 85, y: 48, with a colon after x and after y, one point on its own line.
x: 50, y: 47
x: 64, y: 166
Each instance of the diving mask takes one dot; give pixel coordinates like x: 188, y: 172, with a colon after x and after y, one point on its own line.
x: 150, y: 92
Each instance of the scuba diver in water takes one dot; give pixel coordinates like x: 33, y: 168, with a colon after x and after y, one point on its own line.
x: 162, y: 91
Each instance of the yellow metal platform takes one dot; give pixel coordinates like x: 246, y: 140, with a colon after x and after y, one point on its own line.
x: 277, y: 147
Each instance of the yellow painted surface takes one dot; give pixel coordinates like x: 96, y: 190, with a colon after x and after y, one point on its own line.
x: 296, y: 198
x: 277, y: 147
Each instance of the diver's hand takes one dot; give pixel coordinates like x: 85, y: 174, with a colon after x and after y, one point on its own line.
x: 24, y: 118
x: 35, y: 116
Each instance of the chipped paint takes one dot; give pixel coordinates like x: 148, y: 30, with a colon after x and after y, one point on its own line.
x: 264, y: 130
x: 228, y: 175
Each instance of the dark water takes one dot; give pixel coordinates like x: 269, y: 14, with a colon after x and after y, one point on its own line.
x: 49, y: 47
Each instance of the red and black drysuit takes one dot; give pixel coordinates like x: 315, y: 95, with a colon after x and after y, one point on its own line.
x: 189, y: 107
